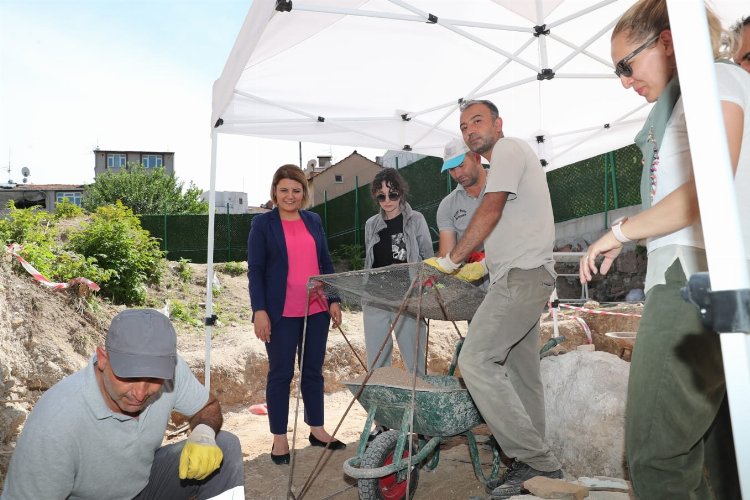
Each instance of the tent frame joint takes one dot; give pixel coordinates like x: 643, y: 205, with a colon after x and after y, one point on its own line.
x: 432, y: 19
x: 545, y: 74
x: 722, y: 310
x: 284, y: 5
x: 541, y: 30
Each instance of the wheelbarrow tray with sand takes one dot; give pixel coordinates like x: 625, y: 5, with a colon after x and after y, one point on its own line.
x: 440, y: 406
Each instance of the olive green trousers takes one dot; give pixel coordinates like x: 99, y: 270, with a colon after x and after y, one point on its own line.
x: 678, y: 442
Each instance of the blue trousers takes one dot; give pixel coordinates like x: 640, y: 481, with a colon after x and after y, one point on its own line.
x: 284, y: 347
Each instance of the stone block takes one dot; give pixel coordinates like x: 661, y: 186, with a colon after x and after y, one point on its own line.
x: 546, y: 487
x: 584, y: 395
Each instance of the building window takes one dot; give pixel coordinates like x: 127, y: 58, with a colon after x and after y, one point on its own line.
x: 151, y: 161
x: 73, y: 197
x: 116, y: 160
x: 338, y: 179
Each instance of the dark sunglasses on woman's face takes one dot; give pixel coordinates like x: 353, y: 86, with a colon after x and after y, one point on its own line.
x: 393, y: 196
x: 623, y: 67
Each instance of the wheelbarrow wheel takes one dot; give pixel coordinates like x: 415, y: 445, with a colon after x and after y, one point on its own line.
x: 378, y: 454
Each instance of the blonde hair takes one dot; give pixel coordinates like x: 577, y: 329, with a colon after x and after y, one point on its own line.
x: 648, y: 18
x: 292, y: 172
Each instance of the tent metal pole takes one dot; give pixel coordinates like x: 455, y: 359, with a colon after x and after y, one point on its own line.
x: 580, y: 13
x: 209, y: 320
x: 585, y: 44
x: 316, y: 118
x: 406, y: 17
x: 467, y: 35
x: 581, y: 50
x: 476, y: 89
x: 717, y: 199
x: 541, y: 38
x: 599, y: 130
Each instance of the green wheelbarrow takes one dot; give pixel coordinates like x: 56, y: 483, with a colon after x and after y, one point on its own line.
x: 442, y: 407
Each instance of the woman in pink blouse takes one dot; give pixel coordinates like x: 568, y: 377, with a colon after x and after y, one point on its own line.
x: 287, y: 246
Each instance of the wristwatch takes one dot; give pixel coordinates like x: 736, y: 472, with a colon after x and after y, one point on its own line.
x: 617, y: 230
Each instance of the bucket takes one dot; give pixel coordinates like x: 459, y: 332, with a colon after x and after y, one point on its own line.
x: 625, y: 341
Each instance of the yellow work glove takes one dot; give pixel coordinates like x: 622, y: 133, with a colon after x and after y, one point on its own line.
x: 472, y: 271
x: 443, y: 264
x: 200, y: 456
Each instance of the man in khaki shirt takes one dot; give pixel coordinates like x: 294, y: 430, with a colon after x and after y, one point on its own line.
x: 499, y: 359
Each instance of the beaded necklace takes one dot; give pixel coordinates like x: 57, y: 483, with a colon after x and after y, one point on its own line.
x: 654, y: 162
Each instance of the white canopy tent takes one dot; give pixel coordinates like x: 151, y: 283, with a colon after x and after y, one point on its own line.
x: 391, y: 73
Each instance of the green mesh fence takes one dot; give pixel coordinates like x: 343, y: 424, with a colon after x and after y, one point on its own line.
x: 186, y: 236
x: 596, y: 185
x: 589, y: 187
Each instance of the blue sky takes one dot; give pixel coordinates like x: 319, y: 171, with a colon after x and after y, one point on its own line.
x: 120, y: 75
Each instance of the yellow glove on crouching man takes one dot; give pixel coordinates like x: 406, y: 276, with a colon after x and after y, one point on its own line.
x: 200, y: 456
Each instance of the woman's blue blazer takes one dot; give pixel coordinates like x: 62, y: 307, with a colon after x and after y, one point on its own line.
x: 268, y: 262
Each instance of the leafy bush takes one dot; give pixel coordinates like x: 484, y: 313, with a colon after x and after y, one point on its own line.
x: 232, y: 268
x: 184, y: 271
x: 71, y: 265
x: 35, y: 232
x: 115, y: 239
x: 350, y: 256
x: 67, y: 210
x: 186, y: 313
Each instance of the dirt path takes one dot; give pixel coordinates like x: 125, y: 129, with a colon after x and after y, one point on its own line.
x: 453, y: 478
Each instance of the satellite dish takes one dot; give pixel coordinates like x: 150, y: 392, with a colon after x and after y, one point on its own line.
x: 25, y: 171
x: 312, y: 164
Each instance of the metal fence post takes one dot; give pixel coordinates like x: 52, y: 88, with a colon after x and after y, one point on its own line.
x: 613, y: 169
x: 166, y: 252
x: 229, y: 236
x: 606, y: 190
x: 356, y: 210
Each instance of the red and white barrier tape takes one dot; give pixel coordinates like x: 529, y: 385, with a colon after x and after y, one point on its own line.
x: 606, y: 313
x: 14, y: 248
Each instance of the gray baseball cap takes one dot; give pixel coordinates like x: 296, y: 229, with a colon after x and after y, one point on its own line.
x: 142, y: 343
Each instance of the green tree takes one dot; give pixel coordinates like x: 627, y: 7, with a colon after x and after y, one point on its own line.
x: 145, y: 191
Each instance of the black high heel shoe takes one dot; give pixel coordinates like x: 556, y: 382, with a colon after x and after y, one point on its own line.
x: 335, y: 444
x: 280, y: 459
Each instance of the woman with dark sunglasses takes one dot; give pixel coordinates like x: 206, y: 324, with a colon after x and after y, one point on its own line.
x: 676, y: 410
x: 395, y: 235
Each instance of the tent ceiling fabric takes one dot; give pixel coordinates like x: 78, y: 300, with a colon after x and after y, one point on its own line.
x: 390, y: 74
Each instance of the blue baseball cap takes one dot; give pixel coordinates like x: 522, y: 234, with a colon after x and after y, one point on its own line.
x: 454, y: 154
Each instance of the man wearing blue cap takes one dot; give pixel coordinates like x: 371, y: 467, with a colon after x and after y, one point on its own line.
x: 97, y: 434
x: 456, y: 209
x: 499, y: 359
